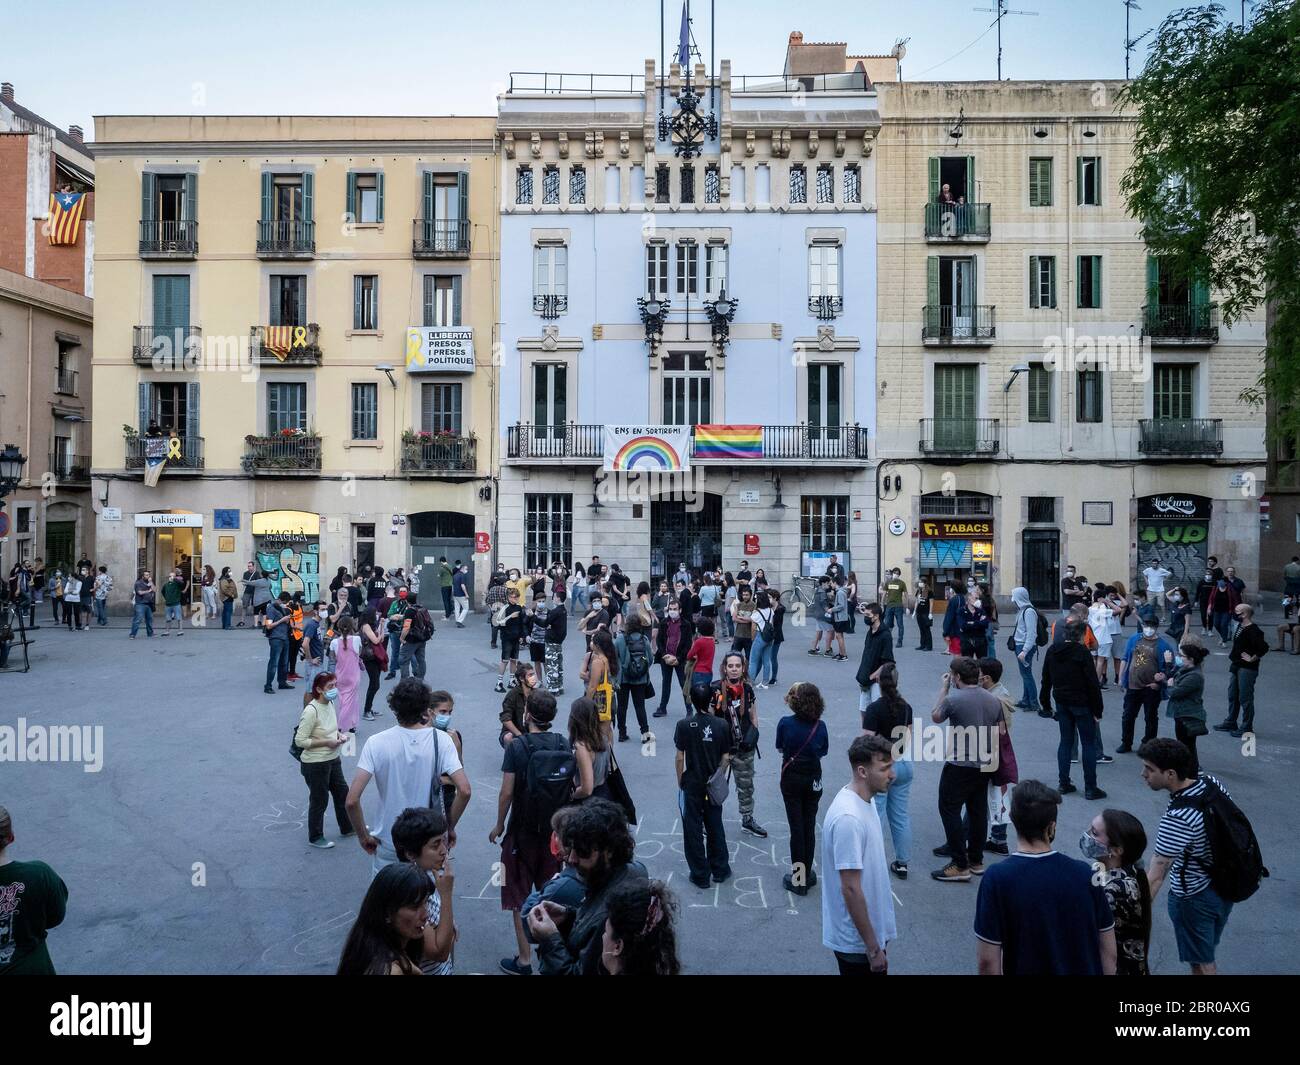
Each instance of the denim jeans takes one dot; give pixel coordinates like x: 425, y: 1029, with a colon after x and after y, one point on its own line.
x: 101, y: 611
x: 757, y: 656
x: 1072, y: 719
x: 394, y: 650
x: 895, y: 614
x: 227, y: 613
x: 461, y: 603
x: 1222, y: 624
x: 1241, y: 697
x: 892, y: 806
x: 142, y: 612
x: 1029, y: 696
x: 277, y: 663
x: 412, y: 651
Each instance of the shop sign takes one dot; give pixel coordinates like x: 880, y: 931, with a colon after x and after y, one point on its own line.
x: 956, y: 528
x: 1174, y: 505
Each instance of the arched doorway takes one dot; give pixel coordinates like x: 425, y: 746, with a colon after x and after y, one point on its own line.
x: 689, y: 532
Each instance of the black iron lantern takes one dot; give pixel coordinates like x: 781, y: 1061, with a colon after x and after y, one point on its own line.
x: 654, y: 313
x: 721, y: 312
x: 12, y: 462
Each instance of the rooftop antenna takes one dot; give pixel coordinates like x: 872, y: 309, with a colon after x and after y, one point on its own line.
x: 1002, y: 11
x: 1130, y: 42
x: 899, y: 52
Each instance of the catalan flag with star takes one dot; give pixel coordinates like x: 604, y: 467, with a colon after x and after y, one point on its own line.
x: 65, y: 216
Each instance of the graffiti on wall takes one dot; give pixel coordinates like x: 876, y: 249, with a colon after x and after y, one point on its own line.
x: 1181, y: 547
x: 293, y: 562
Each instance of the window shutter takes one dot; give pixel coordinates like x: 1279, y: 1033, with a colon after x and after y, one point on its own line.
x: 191, y: 411
x: 268, y: 197
x: 309, y: 197
x: 1033, y: 281
x: 1079, y: 295
x: 1096, y: 281
x: 300, y: 302
x: 462, y: 196
x: 1051, y: 281
x: 562, y: 270
x: 1153, y: 281
x: 427, y: 181
x: 351, y: 203
x: 356, y: 301
x: 1199, y: 290
x: 1033, y: 182
x: 932, y: 288
x: 379, y: 196
x: 973, y: 297
x: 934, y: 179
x: 191, y: 197
x: 148, y: 197
x: 1078, y: 180
x: 970, y: 179
x: 142, y: 394
x: 455, y: 300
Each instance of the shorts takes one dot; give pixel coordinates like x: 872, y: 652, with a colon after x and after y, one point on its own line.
x: 1103, y: 649
x: 509, y: 647
x: 537, y: 652
x: 825, y: 625
x: 174, y: 613
x: 841, y: 626
x: 527, y: 864
x: 1198, y: 922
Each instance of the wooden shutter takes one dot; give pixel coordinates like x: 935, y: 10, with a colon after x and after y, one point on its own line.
x: 970, y: 179
x: 308, y: 197
x: 142, y: 395
x: 1033, y: 281
x: 300, y: 302
x: 1153, y: 282
x: 427, y: 183
x: 351, y: 203
x: 171, y: 302
x: 356, y: 301
x: 191, y: 206
x: 455, y: 300
x: 1078, y: 180
x: 191, y: 413
x: 934, y: 179
x: 148, y: 197
x: 933, y: 316
x: 268, y: 197
x: 379, y: 196
x: 1051, y: 281
x: 561, y: 272
x: 462, y: 196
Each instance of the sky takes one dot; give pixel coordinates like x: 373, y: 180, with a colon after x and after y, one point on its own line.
x: 398, y: 57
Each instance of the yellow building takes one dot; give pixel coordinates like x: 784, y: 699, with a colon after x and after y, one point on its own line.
x: 1047, y: 392
x: 297, y: 315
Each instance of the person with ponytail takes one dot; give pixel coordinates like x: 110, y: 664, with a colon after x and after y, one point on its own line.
x: 891, y: 716
x: 319, y: 738
x: 1115, y: 843
x: 640, y: 937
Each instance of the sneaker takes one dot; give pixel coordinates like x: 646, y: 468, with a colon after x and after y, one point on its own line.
x: 1237, y: 733
x: 293, y: 676
x: 269, y: 690
x: 754, y: 828
x: 623, y: 737
x: 285, y: 687
x: 702, y: 883
x: 976, y: 868
x: 513, y: 967
x: 369, y: 715
x: 899, y: 869
x: 812, y: 877
x: 129, y: 637
x: 351, y: 833
x: 1094, y: 793
x: 647, y: 737
x: 943, y: 851
x: 1225, y: 726
x: 500, y: 687
x: 828, y: 654
x: 1104, y: 759
x: 390, y: 675
x: 460, y: 624
x: 840, y: 658
x: 1065, y: 789
x: 661, y: 712
x: 997, y: 846
x: 1125, y: 748
x: 951, y: 873
x: 321, y: 844
x: 788, y: 883
x: 1046, y: 713
x: 813, y: 651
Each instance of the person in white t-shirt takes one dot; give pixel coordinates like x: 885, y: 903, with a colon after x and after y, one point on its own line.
x: 407, y: 763
x: 857, y: 904
x: 1155, y: 575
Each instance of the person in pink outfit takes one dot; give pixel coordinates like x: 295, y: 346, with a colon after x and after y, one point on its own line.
x: 346, y: 649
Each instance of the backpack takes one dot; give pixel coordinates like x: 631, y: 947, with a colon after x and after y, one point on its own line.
x: 421, y: 627
x: 1041, y: 633
x: 548, y: 784
x: 1237, y: 866
x: 638, y: 661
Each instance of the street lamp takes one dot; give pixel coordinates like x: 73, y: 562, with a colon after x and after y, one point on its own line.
x: 721, y: 312
x: 654, y: 313
x: 12, y: 462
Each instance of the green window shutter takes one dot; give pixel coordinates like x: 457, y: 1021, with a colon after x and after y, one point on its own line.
x: 309, y: 197
x: 191, y: 410
x: 1096, y: 281
x: 300, y: 302
x: 427, y: 179
x: 428, y: 300
x: 1045, y: 182
x: 191, y: 197
x: 1033, y: 183
x: 933, y: 316
x: 356, y: 301
x: 148, y: 197
x: 1033, y: 281
x: 455, y: 300
x: 142, y: 396
x: 934, y: 178
x: 970, y: 179
x: 462, y: 196
x: 268, y: 197
x: 171, y: 302
x: 1153, y: 283
x: 1078, y: 180
x: 379, y: 196
x: 1051, y: 281
x: 974, y: 282
x: 351, y: 204
x: 1199, y: 290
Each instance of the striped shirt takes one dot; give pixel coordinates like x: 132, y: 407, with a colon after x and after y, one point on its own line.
x: 428, y: 967
x: 1182, y: 834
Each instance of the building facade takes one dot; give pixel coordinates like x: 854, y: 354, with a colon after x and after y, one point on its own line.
x: 1048, y: 393
x: 688, y: 259
x: 298, y: 321
x: 46, y: 337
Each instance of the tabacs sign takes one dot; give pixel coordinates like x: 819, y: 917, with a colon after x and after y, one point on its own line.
x: 942, y: 529
x: 1174, y: 505
x: 439, y: 350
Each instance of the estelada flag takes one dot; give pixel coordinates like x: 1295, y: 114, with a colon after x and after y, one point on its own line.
x: 65, y: 216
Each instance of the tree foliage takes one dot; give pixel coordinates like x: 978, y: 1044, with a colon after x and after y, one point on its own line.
x: 1216, y: 172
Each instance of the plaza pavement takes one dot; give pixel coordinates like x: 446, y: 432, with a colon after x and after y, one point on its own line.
x: 186, y: 852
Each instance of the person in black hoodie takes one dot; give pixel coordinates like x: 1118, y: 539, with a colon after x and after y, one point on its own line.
x: 951, y: 630
x: 877, y: 649
x: 1249, y: 645
x: 672, y: 647
x: 1069, y: 673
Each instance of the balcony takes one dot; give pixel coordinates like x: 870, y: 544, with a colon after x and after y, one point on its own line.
x: 70, y: 469
x: 439, y: 454
x: 286, y: 345
x: 826, y: 307
x: 286, y: 240
x: 555, y: 441
x: 163, y: 239
x: 781, y: 443
x: 65, y: 382
x: 957, y: 223
x: 160, y: 348
x: 965, y: 326
x: 285, y: 453
x: 1180, y: 436
x: 440, y: 238
x: 550, y: 306
x: 189, y: 458
x: 1181, y: 324
x: 973, y: 437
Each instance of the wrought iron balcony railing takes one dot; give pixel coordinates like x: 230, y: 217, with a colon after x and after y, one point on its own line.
x: 826, y: 307
x: 190, y: 458
x: 439, y: 453
x: 163, y: 348
x: 1181, y: 323
x: 550, y: 306
x: 960, y: 436
x: 440, y: 238
x: 963, y: 222
x: 573, y: 441
x: 281, y: 454
x: 164, y: 239
x: 1180, y: 436
x: 65, y: 382
x: 570, y: 441
x: 299, y: 346
x: 70, y: 469
x: 964, y: 324
x: 295, y: 239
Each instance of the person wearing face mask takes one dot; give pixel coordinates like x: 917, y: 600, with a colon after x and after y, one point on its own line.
x: 1114, y: 843
x: 1148, y: 663
x: 1073, y: 590
x: 440, y: 710
x: 1180, y: 608
x: 924, y: 622
x: 734, y: 701
x: 1186, y: 688
x: 1204, y: 589
x: 1223, y: 604
x: 313, y: 640
x: 672, y: 648
x: 346, y: 651
x: 319, y: 739
x: 1249, y: 645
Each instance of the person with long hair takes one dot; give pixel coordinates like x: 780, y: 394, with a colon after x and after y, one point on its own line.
x: 591, y: 750
x: 1186, y: 696
x: 890, y: 716
x: 742, y: 620
x: 372, y: 643
x: 640, y: 937
x: 921, y: 614
x: 735, y: 702
x: 387, y: 938
x: 635, y: 655
x: 600, y: 665
x: 1115, y: 842
x: 802, y: 741
x: 420, y: 837
x: 320, y: 738
x: 209, y: 592
x: 346, y: 652
x: 730, y: 591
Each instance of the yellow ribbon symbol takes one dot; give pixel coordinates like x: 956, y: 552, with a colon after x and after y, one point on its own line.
x: 412, y: 348
x: 300, y: 336
x: 174, y: 448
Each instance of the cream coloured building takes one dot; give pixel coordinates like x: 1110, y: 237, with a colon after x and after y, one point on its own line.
x: 258, y: 278
x: 999, y: 453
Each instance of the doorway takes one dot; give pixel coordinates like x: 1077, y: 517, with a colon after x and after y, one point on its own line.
x: 436, y: 534
x: 679, y: 533
x: 60, y: 544
x: 1041, y: 566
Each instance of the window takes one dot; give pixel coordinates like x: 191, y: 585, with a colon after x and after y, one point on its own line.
x: 446, y: 195
x: 287, y: 200
x: 288, y: 299
x: 366, y: 197
x: 551, y: 270
x: 169, y: 406
x: 1088, y: 401
x: 1041, y: 509
x: 524, y: 185
x: 23, y: 520
x: 824, y: 271
x: 548, y: 530
x: 688, y: 388
x: 551, y: 396
x: 441, y: 301
x: 852, y: 184
x: 363, y: 546
x: 715, y: 269
x: 712, y: 184
x: 824, y: 395
x: 1088, y: 177
x: 365, y: 412
x: 577, y: 185
x: 170, y: 197
x: 1040, y: 182
x: 365, y: 302
x: 798, y: 185
x: 1040, y: 393
x: 286, y: 406
x: 688, y: 268
x: 688, y: 183
x: 440, y: 407
x: 661, y: 183
x: 656, y: 270
x: 1088, y: 272
x: 1042, y: 281
x: 824, y: 523
x: 826, y: 184
x: 550, y: 184
x: 1172, y: 393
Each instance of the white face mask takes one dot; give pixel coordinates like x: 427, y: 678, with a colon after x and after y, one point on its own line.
x: 1148, y: 631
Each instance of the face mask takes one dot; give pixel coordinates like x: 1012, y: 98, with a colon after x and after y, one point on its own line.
x: 1176, y: 598
x: 331, y: 694
x: 673, y: 615
x: 1222, y: 585
x: 1179, y: 661
x: 1069, y: 573
x: 1092, y: 848
x: 323, y: 613
x: 1148, y: 631
x: 441, y: 721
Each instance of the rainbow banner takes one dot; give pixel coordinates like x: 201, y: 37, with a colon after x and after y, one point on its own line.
x: 647, y: 448
x: 728, y: 441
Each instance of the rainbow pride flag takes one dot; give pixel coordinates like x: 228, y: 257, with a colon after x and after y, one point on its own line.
x: 728, y: 441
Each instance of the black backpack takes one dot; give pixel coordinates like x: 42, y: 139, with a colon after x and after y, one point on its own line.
x: 1236, y: 864
x: 1041, y: 633
x: 638, y: 661
x: 548, y: 783
x: 421, y: 626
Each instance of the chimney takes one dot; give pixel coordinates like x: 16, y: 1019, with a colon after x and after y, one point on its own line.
x: 796, y: 37
x: 75, y: 133
x: 6, y: 90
